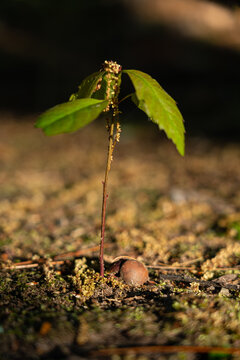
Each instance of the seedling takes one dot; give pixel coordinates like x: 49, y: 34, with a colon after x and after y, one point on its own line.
x: 99, y: 93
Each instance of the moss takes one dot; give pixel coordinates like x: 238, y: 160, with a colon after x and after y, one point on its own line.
x: 50, y: 205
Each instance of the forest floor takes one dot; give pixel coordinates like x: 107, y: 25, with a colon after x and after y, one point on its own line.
x: 180, y: 216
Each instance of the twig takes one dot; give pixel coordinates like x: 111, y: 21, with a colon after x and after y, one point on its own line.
x: 192, y: 261
x: 170, y: 267
x: 164, y: 349
x: 22, y: 266
x: 179, y: 266
x: 26, y: 266
x: 237, y: 267
x: 57, y: 260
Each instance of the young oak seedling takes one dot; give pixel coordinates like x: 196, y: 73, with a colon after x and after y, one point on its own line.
x: 99, y: 93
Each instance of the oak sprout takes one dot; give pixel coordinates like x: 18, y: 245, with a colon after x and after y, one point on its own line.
x: 99, y: 93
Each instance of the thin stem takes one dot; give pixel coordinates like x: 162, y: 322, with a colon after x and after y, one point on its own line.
x: 105, y: 195
x: 125, y: 97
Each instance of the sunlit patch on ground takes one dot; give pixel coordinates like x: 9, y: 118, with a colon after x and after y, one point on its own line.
x: 180, y: 216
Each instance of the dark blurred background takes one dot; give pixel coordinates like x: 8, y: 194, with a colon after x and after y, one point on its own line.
x: 191, y: 47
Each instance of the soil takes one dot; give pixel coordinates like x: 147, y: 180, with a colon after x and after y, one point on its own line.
x: 180, y: 216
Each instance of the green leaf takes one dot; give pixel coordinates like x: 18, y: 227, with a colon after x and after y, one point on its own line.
x: 88, y: 86
x: 70, y: 116
x: 159, y: 106
x: 101, y: 93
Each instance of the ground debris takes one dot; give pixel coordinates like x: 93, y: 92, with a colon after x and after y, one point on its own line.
x: 178, y: 216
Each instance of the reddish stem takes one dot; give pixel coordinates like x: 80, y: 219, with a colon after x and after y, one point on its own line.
x: 101, y: 260
x: 105, y: 196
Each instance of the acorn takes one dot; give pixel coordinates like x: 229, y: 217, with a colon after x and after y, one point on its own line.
x: 131, y: 271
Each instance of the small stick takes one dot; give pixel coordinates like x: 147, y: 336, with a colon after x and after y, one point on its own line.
x: 164, y: 349
x: 180, y: 264
x: 237, y: 267
x: 23, y: 266
x: 26, y: 266
x: 170, y: 267
x: 192, y: 261
x: 25, y: 262
x: 57, y: 260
